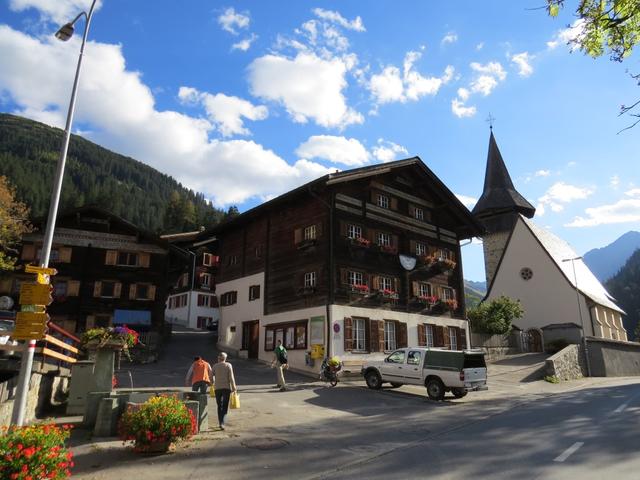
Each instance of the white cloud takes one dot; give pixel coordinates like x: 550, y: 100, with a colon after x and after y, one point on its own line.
x: 345, y: 151
x: 335, y: 17
x: 308, y: 87
x: 244, y: 44
x: 561, y: 193
x: 523, y: 61
x: 542, y: 173
x: 463, y: 94
x: 57, y: 11
x: 467, y: 201
x: 614, y: 181
x: 230, y: 20
x: 492, y: 68
x: 460, y: 110
x: 568, y: 35
x: 224, y: 111
x: 119, y: 110
x: 634, y: 192
x: 489, y: 76
x: 392, y: 85
x: 450, y: 37
x: 480, y: 46
x: 623, y: 211
x: 386, y: 151
x: 540, y: 210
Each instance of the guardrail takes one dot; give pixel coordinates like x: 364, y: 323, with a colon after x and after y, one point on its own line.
x: 58, y: 344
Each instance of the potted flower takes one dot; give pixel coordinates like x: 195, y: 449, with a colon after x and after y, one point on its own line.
x: 154, y: 425
x: 358, y: 288
x: 430, y: 300
x: 118, y: 338
x: 451, y: 304
x: 35, y: 452
x: 447, y: 264
x: 360, y: 242
x: 390, y: 294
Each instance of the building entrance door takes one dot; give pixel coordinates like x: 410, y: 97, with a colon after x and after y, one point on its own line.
x: 535, y: 341
x: 251, y: 338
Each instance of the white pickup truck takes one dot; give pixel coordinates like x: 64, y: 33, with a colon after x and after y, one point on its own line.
x: 438, y: 370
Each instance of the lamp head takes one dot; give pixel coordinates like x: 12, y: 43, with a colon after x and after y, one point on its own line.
x: 65, y: 32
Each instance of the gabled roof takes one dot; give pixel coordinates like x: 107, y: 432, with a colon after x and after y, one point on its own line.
x: 499, y: 195
x: 472, y: 227
x: 562, y: 254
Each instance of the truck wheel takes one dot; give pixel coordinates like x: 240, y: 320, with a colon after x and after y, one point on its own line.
x: 459, y: 392
x: 435, y: 389
x: 373, y: 379
x: 396, y: 385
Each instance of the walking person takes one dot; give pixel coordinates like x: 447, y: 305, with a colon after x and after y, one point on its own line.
x: 280, y: 362
x: 225, y: 384
x: 199, y: 375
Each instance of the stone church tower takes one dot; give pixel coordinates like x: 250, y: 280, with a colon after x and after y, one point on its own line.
x: 498, y: 209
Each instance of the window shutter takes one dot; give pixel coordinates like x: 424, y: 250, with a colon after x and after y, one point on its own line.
x: 73, y: 288
x: 422, y: 335
x: 393, y: 203
x: 28, y: 252
x: 396, y: 285
x: 297, y: 236
x: 412, y: 247
x: 462, y: 338
x: 348, y: 334
x: 374, y: 338
x: 366, y: 279
x: 111, y: 257
x: 319, y: 230
x: 415, y: 286
x: 64, y: 254
x: 412, y: 211
x: 117, y: 290
x: 151, y: 292
x: 394, y: 241
x: 381, y: 335
x: 374, y: 197
x: 371, y: 235
x: 144, y: 260
x: 344, y: 276
x: 97, y: 287
x: 343, y: 229
x: 446, y: 339
x: 438, y: 333
x: 402, y: 334
x: 132, y: 291
x: 375, y: 282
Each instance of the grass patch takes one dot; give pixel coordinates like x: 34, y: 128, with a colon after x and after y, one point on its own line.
x: 551, y: 379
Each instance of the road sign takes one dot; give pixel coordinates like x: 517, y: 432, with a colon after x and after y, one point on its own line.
x: 35, y: 294
x: 31, y: 318
x: 29, y: 332
x: 42, y: 270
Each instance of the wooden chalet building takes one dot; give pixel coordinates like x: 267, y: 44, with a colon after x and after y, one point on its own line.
x: 355, y: 263
x: 109, y: 272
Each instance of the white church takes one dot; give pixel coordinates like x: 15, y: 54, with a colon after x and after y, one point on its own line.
x: 526, y: 262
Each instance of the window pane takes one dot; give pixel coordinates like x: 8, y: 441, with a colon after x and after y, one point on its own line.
x: 396, y: 357
x: 301, y: 336
x: 289, y: 338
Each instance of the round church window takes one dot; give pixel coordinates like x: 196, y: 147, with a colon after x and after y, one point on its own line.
x: 526, y: 273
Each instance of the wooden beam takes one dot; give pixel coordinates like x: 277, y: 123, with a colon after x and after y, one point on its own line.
x: 47, y: 352
x: 60, y: 343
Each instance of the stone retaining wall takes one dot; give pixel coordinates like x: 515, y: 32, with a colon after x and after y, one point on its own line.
x: 567, y: 364
x: 613, y: 358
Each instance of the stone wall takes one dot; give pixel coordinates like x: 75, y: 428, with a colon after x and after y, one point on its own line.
x: 613, y: 358
x: 493, y: 246
x: 567, y: 364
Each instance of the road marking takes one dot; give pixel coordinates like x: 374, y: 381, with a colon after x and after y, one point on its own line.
x: 568, y: 452
x: 622, y: 407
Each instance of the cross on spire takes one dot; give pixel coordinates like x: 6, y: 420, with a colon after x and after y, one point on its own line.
x: 490, y: 120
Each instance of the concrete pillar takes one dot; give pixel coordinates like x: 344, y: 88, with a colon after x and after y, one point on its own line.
x: 203, y: 409
x: 107, y: 418
x: 194, y: 406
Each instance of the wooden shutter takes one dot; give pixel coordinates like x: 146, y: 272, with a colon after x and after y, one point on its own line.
x: 422, y: 335
x: 97, y: 288
x: 151, y: 292
x: 73, y: 288
x: 438, y: 333
x: 462, y: 339
x: 393, y: 203
x: 111, y: 257
x: 144, y: 260
x: 344, y: 276
x: 401, y: 332
x: 64, y: 254
x: 381, y: 335
x: 365, y: 279
x: 28, y: 252
x: 133, y: 291
x: 412, y: 247
x: 348, y: 334
x: 117, y: 290
x: 374, y: 338
x: 374, y: 197
x: 297, y: 236
x: 394, y: 241
x: 446, y: 338
x: 343, y: 229
x: 412, y: 211
x: 396, y: 285
x: 319, y: 230
x: 415, y: 287
x: 375, y: 282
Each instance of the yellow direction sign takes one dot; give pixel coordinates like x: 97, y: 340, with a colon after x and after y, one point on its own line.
x: 42, y: 270
x: 35, y: 294
x: 29, y: 332
x: 31, y: 318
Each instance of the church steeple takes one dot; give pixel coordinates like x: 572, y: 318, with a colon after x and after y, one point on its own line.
x: 499, y: 195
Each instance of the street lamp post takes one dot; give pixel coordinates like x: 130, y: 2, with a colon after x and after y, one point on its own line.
x: 64, y: 34
x: 584, y: 337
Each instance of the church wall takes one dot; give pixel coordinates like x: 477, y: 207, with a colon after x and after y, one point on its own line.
x: 493, y: 245
x: 547, y: 297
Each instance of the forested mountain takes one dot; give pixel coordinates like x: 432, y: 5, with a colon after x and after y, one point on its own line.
x: 474, y: 292
x: 625, y: 288
x: 94, y: 175
x: 606, y: 261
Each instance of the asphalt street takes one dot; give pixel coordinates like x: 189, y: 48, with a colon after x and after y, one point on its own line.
x: 575, y: 430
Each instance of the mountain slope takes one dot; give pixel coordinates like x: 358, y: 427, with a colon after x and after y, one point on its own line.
x: 474, y: 292
x: 625, y: 288
x: 606, y: 261
x: 94, y: 175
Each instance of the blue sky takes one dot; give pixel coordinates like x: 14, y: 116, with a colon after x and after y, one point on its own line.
x: 246, y: 100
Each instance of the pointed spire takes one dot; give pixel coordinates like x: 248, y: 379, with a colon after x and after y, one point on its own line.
x: 499, y: 194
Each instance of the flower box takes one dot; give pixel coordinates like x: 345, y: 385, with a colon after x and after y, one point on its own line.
x: 388, y: 249
x: 360, y: 289
x: 450, y: 304
x: 428, y: 300
x: 359, y: 242
x: 389, y: 294
x: 304, y: 244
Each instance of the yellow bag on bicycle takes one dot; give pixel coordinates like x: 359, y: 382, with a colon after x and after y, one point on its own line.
x: 212, y: 390
x: 234, y: 402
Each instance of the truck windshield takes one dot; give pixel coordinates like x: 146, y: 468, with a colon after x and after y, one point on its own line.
x: 474, y: 361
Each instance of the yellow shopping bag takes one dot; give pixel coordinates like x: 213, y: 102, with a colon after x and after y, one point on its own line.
x: 212, y: 390
x: 235, y: 400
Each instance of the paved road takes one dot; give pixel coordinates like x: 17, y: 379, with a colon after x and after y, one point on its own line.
x: 353, y: 432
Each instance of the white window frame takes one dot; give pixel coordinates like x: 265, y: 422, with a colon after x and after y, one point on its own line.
x: 206, y: 280
x: 252, y: 295
x: 359, y: 334
x: 418, y: 213
x: 310, y: 232
x: 354, y: 231
x: 447, y: 293
x: 421, y: 249
x: 383, y: 239
x: 310, y: 279
x: 389, y: 336
x: 356, y: 278
x: 453, y: 338
x: 386, y: 283
x: 425, y: 289
x: 383, y: 201
x: 428, y: 330
x: 207, y: 259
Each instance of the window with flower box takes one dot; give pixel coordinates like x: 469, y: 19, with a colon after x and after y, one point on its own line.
x: 421, y: 249
x: 448, y: 293
x: 355, y: 278
x: 386, y: 283
x: 383, y: 239
x: 425, y: 290
x: 354, y: 231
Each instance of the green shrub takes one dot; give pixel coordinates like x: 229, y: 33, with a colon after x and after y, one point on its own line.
x: 495, y: 316
x: 551, y: 379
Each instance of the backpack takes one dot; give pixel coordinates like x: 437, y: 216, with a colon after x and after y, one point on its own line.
x: 282, y: 356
